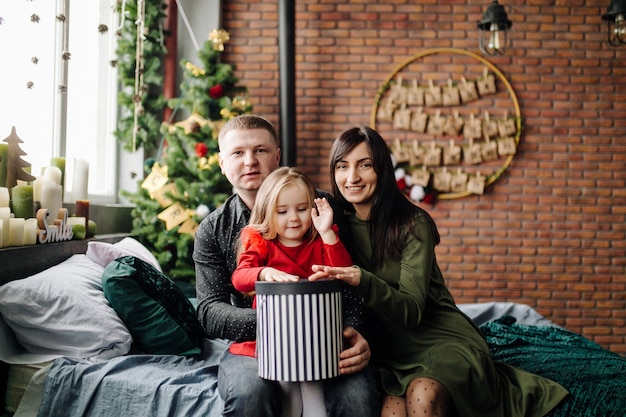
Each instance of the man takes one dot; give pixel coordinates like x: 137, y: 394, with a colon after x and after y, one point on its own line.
x: 249, y: 151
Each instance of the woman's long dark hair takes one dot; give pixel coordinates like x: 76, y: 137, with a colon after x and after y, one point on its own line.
x: 392, y: 212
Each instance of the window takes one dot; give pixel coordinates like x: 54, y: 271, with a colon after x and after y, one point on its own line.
x: 61, y: 107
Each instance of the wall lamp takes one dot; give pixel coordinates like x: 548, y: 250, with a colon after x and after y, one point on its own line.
x: 492, y: 30
x: 616, y: 22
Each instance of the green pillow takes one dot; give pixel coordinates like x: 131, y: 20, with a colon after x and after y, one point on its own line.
x: 158, y: 315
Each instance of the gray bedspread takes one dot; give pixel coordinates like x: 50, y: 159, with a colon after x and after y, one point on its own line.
x: 169, y: 385
x: 135, y: 386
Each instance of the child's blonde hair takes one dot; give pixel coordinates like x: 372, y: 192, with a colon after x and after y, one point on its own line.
x: 267, y: 200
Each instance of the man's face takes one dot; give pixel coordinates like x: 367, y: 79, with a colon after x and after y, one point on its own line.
x: 247, y: 157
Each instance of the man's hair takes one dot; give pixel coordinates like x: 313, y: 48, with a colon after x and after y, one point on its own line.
x: 248, y: 122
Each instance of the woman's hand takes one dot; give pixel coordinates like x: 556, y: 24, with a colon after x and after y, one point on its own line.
x: 351, y: 275
x: 357, y: 355
x: 274, y: 275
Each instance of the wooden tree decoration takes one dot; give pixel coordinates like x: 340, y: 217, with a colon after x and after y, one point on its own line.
x: 15, y: 163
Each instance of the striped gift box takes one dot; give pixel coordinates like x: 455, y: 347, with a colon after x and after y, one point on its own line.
x: 299, y: 330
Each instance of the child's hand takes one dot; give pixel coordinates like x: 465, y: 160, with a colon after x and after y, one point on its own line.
x: 322, y: 216
x: 274, y: 275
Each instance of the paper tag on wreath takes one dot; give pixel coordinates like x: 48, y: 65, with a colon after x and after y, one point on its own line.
x: 435, y: 124
x: 385, y: 110
x: 415, y: 95
x: 432, y: 95
x: 420, y: 177
x: 458, y: 182
x: 419, y: 120
x: 432, y: 157
x: 451, y: 154
x: 441, y: 180
x: 402, y: 118
x: 417, y: 153
x: 451, y: 95
x: 490, y: 126
x: 489, y: 150
x: 476, y: 184
x: 471, y: 153
x: 472, y: 129
x: 467, y: 91
x: 454, y: 124
x: 506, y: 146
x: 487, y: 83
x: 506, y: 126
x: 397, y: 93
x: 400, y: 152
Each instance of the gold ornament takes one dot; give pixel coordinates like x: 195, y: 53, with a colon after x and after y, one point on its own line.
x: 219, y: 38
x: 156, y: 180
x: 189, y: 227
x: 173, y: 216
x: 190, y: 124
x: 195, y: 70
x: 161, y: 196
x: 204, y: 163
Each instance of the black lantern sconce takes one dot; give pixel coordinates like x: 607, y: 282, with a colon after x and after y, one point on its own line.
x: 492, y: 30
x: 616, y: 22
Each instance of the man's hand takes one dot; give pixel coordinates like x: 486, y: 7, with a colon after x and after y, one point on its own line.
x: 357, y: 355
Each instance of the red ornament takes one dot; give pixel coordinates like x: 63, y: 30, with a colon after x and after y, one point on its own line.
x: 401, y: 183
x: 429, y: 198
x: 201, y: 150
x: 216, y: 91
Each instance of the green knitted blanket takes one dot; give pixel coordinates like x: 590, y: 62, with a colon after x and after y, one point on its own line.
x: 594, y: 376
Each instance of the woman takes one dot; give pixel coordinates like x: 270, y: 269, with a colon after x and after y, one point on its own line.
x: 431, y: 359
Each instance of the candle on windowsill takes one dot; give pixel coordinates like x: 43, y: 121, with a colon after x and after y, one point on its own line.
x: 80, y: 180
x: 22, y: 201
x: 4, y: 162
x: 16, y: 232
x: 82, y: 210
x: 37, y: 192
x: 4, y: 197
x: 51, y: 197
x: 53, y: 173
x: 30, y: 232
x: 5, y: 215
x: 59, y: 162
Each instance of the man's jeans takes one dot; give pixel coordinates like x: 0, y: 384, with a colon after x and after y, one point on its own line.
x: 246, y: 394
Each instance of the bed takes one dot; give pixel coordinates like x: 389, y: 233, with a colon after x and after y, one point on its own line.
x: 82, y: 350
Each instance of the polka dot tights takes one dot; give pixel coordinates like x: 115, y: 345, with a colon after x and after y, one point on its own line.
x: 425, y: 397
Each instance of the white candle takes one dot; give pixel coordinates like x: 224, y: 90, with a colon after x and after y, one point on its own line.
x: 51, y: 197
x: 30, y: 231
x: 53, y: 174
x: 16, y: 231
x: 4, y: 197
x: 37, y: 188
x: 80, y: 180
x: 5, y: 215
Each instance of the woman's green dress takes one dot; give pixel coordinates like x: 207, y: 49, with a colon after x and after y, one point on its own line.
x: 416, y: 330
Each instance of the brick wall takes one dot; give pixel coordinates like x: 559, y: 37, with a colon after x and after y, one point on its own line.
x: 551, y: 231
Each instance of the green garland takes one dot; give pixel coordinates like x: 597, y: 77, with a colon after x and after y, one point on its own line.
x: 150, y: 98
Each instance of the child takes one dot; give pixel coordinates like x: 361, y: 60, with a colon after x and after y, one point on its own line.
x: 289, y: 231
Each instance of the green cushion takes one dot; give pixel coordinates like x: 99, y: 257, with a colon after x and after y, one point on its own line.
x: 158, y: 315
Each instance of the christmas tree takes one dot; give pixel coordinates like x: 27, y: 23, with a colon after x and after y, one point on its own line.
x: 185, y: 183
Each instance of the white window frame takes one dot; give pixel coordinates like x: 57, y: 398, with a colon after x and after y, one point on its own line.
x: 75, y: 124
